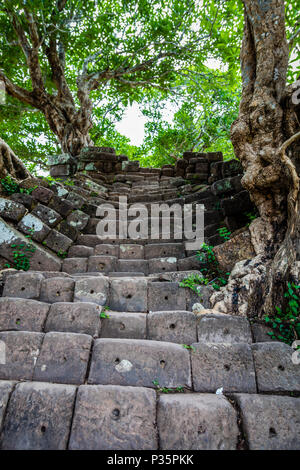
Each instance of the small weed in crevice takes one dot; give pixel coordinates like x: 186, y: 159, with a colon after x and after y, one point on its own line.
x: 22, y: 253
x: 166, y: 389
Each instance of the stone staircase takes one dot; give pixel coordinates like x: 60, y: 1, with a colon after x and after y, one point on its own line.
x: 102, y: 348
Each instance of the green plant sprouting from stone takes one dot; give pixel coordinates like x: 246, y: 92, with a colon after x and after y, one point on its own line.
x: 10, y: 186
x: 285, y: 323
x: 166, y: 389
x: 22, y: 253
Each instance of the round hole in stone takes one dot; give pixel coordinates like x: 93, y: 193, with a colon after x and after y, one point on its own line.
x: 116, y: 413
x: 43, y: 429
x: 128, y: 296
x: 226, y: 331
x: 162, y: 363
x: 18, y: 320
x: 117, y: 360
x: 163, y: 269
x: 201, y: 429
x: 22, y: 288
x: 272, y: 432
x: 166, y: 297
x: 58, y: 292
x: 280, y: 367
x: 92, y: 291
x: 122, y: 326
x: 172, y: 326
x: 226, y: 367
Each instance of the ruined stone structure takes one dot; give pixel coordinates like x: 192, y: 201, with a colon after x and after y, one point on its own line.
x: 144, y: 373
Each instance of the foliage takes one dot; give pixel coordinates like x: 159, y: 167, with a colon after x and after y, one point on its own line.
x: 224, y: 233
x: 286, y: 323
x: 22, y: 253
x: 9, y: 186
x: 165, y: 389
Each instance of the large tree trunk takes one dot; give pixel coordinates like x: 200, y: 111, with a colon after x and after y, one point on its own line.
x: 71, y: 126
x: 264, y: 139
x: 10, y: 164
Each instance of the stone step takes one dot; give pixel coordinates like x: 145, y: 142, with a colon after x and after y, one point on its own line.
x: 106, y: 417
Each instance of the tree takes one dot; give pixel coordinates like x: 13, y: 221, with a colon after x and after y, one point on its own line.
x: 131, y: 46
x: 265, y: 140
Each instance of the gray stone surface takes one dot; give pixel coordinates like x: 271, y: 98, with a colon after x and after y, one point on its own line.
x: 57, y: 289
x: 196, y: 422
x: 275, y: 371
x: 161, y: 265
x: 63, y: 358
x: 114, y: 418
x: 6, y: 388
x: 92, y: 289
x: 224, y: 329
x: 216, y: 365
x: 129, y: 251
x: 11, y: 210
x: 163, y: 250
x: 124, y: 325
x: 133, y: 266
x: 105, y: 249
x: 128, y: 295
x: 22, y: 314
x: 39, y: 417
x: 80, y: 251
x: 173, y: 326
x: 270, y: 422
x: 78, y: 219
x: 74, y: 265
x: 23, y: 285
x: 261, y: 333
x: 33, y: 226
x: 139, y: 363
x: 58, y: 242
x: 22, y: 349
x: 102, y: 264
x: 165, y: 296
x: 49, y: 216
x: 83, y: 317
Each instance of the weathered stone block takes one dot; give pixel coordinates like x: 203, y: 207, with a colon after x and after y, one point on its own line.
x: 74, y: 318
x: 174, y: 326
x: 224, y: 329
x: 6, y: 388
x: 139, y: 363
x: 231, y: 168
x: 11, y: 210
x: 133, y: 266
x: 128, y: 295
x: 78, y: 219
x: 42, y: 194
x: 61, y: 170
x: 164, y: 296
x: 114, y: 418
x: 261, y: 333
x: 131, y: 251
x: 75, y: 265
x: 217, y: 365
x: 163, y: 250
x: 93, y: 289
x: 58, y: 242
x: 196, y: 422
x: 24, y: 199
x: 76, y: 199
x: 103, y: 264
x: 270, y: 422
x: 161, y: 265
x: 21, y: 352
x: 202, y: 296
x: 22, y: 314
x: 39, y: 417
x: 107, y: 250
x: 124, y: 325
x: 275, y: 371
x: 80, y: 251
x: 23, y: 285
x: 47, y: 215
x: 66, y: 229
x: 63, y: 358
x: 60, y: 205
x: 34, y: 227
x: 57, y: 289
